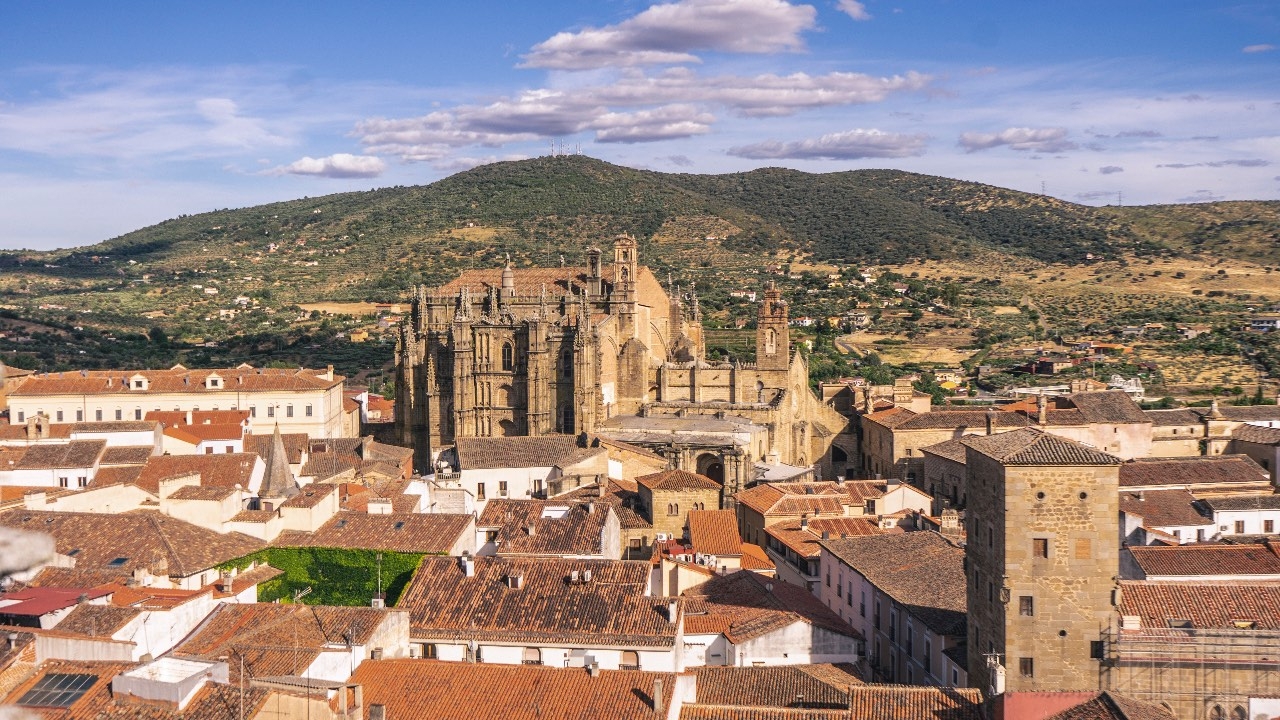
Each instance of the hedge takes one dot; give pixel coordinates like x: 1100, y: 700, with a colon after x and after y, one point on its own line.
x: 336, y: 576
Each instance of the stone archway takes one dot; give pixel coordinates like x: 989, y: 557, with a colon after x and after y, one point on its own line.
x: 712, y: 466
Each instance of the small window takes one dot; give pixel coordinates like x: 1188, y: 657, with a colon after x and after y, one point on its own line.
x: 1239, y: 527
x: 310, y: 411
x: 97, y: 415
x: 231, y: 449
x: 480, y: 491
x: 119, y: 414
x: 288, y: 411
x: 502, y: 488
x: 59, y: 416
x: 22, y: 417
x: 64, y: 482
x: 137, y: 384
x: 429, y: 651
x: 137, y: 413
x: 82, y: 481
x: 532, y: 656
x: 271, y: 411
x: 1096, y: 649
x: 253, y: 412
x: 1027, y: 667
x: 208, y: 450
x: 630, y: 660
x: 1026, y: 605
x: 1268, y: 526
x: 79, y: 415
x: 1040, y: 547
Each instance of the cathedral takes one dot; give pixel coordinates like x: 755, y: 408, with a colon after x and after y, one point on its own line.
x: 604, y: 350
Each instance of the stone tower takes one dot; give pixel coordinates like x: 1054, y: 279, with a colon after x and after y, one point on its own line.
x: 1042, y: 560
x: 773, y: 338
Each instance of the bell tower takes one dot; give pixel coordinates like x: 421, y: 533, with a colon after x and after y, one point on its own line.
x: 773, y: 338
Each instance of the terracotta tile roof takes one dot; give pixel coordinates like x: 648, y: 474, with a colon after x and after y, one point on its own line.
x: 947, y: 419
x: 279, y: 639
x: 1108, y: 406
x: 755, y: 558
x: 741, y: 606
x: 1244, y: 502
x: 123, y: 542
x: 254, y: 516
x: 223, y: 469
x: 612, y: 609
x: 1164, y: 508
x: 1257, y: 434
x: 952, y: 450
x: 804, y: 539
x: 11, y: 456
x: 1208, y: 559
x: 860, y: 491
x: 56, y: 577
x: 896, y: 564
x: 431, y: 690
x: 715, y: 532
x: 74, y: 454
x: 892, y: 417
x: 677, y: 480
x: 295, y: 444
x: 310, y: 496
x: 127, y: 455
x: 116, y: 382
x: 1173, y: 418
x: 116, y: 475
x: 620, y: 494
x: 1223, y: 470
x: 97, y: 620
x: 809, y: 686
x: 518, y: 452
x: 813, y: 498
x: 394, y: 532
x: 202, y: 492
x: 247, y: 579
x: 1033, y: 447
x: 171, y: 418
x: 326, y: 465
x: 546, y: 527
x: 905, y: 702
x: 736, y: 712
x: 196, y: 434
x: 1206, y: 605
x: 1109, y: 706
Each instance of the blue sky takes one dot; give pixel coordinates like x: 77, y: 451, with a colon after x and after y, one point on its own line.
x: 118, y: 115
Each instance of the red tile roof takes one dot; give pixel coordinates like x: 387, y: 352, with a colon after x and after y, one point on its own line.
x: 611, y: 609
x: 715, y: 532
x: 677, y: 480
x: 809, y: 686
x: 221, y: 470
x: 431, y: 690
x: 547, y: 527
x: 181, y: 380
x: 1206, y: 605
x: 803, y: 539
x: 1035, y: 448
x: 395, y: 532
x: 1227, y: 471
x: 1164, y: 508
x: 744, y: 605
x: 1208, y: 559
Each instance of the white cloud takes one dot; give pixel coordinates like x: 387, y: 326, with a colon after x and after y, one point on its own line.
x: 853, y: 9
x: 664, y: 123
x: 670, y: 33
x: 1050, y: 140
x: 338, y: 165
x: 1264, y: 47
x: 850, y: 145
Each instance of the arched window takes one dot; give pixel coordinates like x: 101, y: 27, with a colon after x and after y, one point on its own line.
x: 1217, y: 713
x: 532, y: 656
x: 566, y: 418
x: 1238, y: 713
x: 624, y: 274
x: 771, y: 342
x: 673, y: 508
x: 508, y: 357
x: 566, y: 364
x: 630, y: 660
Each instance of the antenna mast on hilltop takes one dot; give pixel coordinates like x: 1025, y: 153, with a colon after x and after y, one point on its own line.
x: 1119, y: 198
x: 1042, y: 192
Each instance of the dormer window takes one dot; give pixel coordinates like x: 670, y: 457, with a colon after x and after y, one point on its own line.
x: 213, y: 382
x: 139, y: 382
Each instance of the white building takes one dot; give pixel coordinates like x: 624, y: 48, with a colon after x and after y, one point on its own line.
x: 299, y: 401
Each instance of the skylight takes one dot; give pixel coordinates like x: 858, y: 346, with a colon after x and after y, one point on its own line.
x: 57, y: 690
x: 118, y: 562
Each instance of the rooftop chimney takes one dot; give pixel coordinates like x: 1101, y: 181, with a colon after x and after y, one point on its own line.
x: 991, y: 420
x: 377, y: 711
x: 659, y: 707
x: 468, y: 565
x: 1042, y: 410
x: 673, y: 610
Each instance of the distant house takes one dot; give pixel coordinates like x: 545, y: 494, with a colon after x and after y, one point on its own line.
x: 1265, y: 323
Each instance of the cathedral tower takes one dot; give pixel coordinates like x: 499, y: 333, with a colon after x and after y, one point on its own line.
x: 773, y: 338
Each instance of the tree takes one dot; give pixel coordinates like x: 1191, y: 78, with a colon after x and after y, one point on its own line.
x: 158, y: 336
